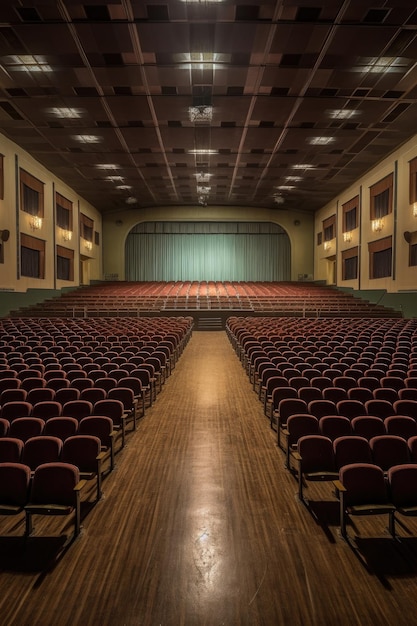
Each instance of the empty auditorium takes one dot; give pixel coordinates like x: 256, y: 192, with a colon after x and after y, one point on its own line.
x: 208, y: 313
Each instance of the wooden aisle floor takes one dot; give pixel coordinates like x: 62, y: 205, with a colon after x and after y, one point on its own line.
x: 201, y: 526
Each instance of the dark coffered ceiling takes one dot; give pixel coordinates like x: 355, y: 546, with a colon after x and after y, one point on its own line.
x: 278, y: 104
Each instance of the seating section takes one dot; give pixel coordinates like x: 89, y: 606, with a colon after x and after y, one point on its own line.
x: 334, y: 392
x: 70, y: 390
x: 117, y: 299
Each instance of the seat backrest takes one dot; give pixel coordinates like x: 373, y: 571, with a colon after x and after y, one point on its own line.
x: 290, y: 406
x: 41, y: 449
x: 54, y: 483
x: 132, y: 383
x: 25, y: 427
x: 62, y: 427
x: 351, y: 449
x: 93, y: 394
x: 124, y: 394
x: 110, y: 408
x: 319, y: 408
x: 360, y: 393
x: 389, y: 450
x: 301, y: 424
x: 77, y: 409
x: 402, y: 481
x: 309, y: 393
x: 16, y: 409
x: 14, y: 484
x: 99, y: 426
x: 401, y: 425
x: 334, y: 426
x: 364, y: 484
x: 11, y: 450
x: 82, y: 451
x: 48, y: 409
x: 67, y: 395
x: 368, y: 426
x: 406, y: 407
x: 379, y: 408
x: 350, y: 408
x: 316, y: 453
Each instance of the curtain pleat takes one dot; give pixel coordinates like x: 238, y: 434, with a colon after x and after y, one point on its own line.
x: 187, y: 255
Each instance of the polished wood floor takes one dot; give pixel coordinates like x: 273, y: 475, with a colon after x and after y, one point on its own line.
x: 201, y: 526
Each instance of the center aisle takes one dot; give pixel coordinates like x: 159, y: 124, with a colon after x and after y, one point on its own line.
x: 200, y: 525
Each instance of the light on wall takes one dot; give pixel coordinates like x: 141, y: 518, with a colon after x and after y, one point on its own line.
x: 377, y: 225
x: 88, y: 245
x: 35, y: 222
x: 347, y: 236
x: 415, y: 209
x: 327, y: 245
x: 66, y: 235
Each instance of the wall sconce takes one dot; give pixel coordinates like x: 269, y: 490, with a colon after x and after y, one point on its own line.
x: 377, y: 225
x: 347, y: 236
x: 415, y: 209
x: 66, y: 235
x: 35, y: 222
x: 327, y: 245
x: 88, y: 245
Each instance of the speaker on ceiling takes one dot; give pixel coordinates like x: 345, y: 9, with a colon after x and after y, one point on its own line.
x: 5, y: 234
x: 407, y: 236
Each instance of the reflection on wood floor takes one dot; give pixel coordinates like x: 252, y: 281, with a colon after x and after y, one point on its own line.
x: 200, y: 524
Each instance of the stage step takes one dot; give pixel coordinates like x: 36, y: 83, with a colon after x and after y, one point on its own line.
x: 210, y: 323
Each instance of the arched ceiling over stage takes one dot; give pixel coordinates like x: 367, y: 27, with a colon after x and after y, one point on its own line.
x: 278, y: 104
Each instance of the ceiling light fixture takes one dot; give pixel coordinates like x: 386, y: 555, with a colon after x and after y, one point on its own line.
x: 203, y: 190
x: 107, y: 166
x: 65, y: 113
x: 203, y: 177
x: 342, y: 114
x: 321, y: 141
x: 114, y: 178
x: 202, y: 152
x: 303, y: 166
x: 87, y: 138
x: 200, y: 114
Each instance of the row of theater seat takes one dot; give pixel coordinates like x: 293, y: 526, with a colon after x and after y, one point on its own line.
x: 73, y: 388
x: 341, y: 397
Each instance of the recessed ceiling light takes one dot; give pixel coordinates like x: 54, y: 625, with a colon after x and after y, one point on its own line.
x: 285, y: 187
x: 321, y: 141
x: 124, y: 187
x: 202, y: 152
x: 294, y: 179
x: 303, y: 166
x: 65, y: 113
x: 87, y: 138
x: 115, y: 178
x: 342, y: 114
x: 107, y: 166
x: 30, y: 63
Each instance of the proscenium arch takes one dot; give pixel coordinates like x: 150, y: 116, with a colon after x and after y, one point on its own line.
x: 299, y: 226
x: 205, y: 251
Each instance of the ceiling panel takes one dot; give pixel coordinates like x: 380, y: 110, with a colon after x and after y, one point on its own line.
x: 132, y: 102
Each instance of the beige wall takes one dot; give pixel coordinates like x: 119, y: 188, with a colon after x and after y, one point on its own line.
x: 396, y: 224
x: 116, y: 227
x: 15, y: 220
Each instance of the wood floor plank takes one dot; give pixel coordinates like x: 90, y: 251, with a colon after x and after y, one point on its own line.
x: 201, y: 526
